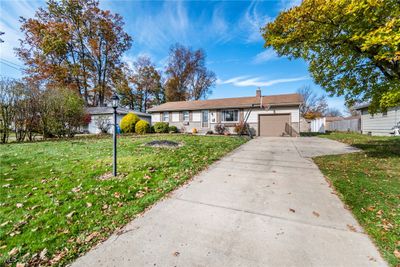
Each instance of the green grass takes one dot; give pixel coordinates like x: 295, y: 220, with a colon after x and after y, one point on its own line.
x: 52, y: 200
x: 369, y: 183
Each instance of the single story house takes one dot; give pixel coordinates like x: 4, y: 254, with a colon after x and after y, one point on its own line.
x: 379, y: 123
x: 274, y: 115
x: 102, y: 117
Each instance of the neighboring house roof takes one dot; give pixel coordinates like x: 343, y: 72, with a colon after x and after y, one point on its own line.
x: 361, y: 106
x: 110, y: 110
x: 333, y: 118
x: 238, y: 102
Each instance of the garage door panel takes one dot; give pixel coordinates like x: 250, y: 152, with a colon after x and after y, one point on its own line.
x: 273, y: 125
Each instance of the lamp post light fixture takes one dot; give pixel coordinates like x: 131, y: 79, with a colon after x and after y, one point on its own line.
x: 114, y: 103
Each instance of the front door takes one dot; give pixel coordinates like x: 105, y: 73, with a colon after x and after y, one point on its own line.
x: 204, y: 119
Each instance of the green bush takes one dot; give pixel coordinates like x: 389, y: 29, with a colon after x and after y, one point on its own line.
x: 161, y: 127
x: 128, y: 123
x: 172, y: 129
x: 142, y: 127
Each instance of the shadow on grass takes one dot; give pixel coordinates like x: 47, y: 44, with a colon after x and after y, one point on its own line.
x: 389, y: 147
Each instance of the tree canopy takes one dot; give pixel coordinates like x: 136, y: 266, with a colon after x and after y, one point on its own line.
x: 188, y: 78
x: 352, y: 46
x: 74, y: 44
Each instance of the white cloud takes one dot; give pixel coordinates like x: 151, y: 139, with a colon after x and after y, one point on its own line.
x: 267, y: 55
x: 245, y: 81
x: 252, y: 22
x: 287, y: 4
x: 9, y: 23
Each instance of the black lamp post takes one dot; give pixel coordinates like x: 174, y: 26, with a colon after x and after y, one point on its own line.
x: 114, y: 103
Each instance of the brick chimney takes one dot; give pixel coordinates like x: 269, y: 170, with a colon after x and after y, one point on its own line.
x: 258, y: 92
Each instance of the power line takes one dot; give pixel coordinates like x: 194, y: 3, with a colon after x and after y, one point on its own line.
x: 10, y: 62
x: 5, y: 63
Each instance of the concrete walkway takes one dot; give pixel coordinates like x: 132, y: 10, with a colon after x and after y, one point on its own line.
x: 265, y: 204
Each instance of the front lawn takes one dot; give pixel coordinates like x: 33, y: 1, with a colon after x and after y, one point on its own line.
x: 54, y: 207
x: 369, y: 183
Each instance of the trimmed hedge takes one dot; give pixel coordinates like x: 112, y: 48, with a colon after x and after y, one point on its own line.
x: 172, y: 129
x: 128, y: 123
x: 142, y: 127
x: 161, y: 127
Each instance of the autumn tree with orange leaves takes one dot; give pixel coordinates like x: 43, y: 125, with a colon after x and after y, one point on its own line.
x: 74, y: 44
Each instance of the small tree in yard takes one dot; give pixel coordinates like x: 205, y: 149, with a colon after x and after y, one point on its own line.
x: 103, y: 123
x: 62, y: 112
x: 7, y: 101
x: 142, y: 127
x: 161, y: 127
x: 128, y: 123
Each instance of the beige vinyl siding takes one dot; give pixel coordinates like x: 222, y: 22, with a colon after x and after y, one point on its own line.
x: 294, y: 113
x: 379, y: 124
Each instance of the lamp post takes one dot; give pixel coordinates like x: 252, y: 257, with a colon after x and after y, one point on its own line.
x: 114, y: 103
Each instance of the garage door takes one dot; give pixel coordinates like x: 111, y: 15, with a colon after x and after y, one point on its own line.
x: 272, y: 125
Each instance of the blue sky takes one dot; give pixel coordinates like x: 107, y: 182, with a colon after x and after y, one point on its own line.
x: 228, y: 31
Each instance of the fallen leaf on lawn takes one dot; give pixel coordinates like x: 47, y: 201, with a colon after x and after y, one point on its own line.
x: 58, y: 257
x: 371, y: 208
x: 19, y: 205
x: 88, y: 204
x: 117, y: 195
x: 42, y: 254
x: 69, y: 215
x: 292, y: 210
x: 139, y: 194
x: 396, y: 253
x: 176, y: 253
x: 4, y: 223
x: 13, y: 252
x: 91, y: 236
x: 315, y: 213
x: 19, y: 264
x: 6, y: 185
x: 76, y: 189
x: 351, y: 228
x: 105, y: 206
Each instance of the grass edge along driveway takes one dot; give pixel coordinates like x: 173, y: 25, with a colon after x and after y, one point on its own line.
x: 54, y: 207
x: 369, y: 184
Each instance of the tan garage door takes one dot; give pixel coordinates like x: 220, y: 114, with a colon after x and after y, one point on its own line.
x: 272, y: 125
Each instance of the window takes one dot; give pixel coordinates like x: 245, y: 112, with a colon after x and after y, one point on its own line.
x: 165, y: 116
x: 186, y: 116
x: 230, y: 115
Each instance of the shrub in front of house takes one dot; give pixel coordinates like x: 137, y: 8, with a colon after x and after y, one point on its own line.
x: 240, y: 128
x: 142, y: 127
x: 128, y: 123
x: 172, y: 129
x: 161, y: 127
x: 219, y: 129
x: 194, y: 131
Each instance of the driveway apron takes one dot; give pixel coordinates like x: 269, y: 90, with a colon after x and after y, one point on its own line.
x: 265, y: 204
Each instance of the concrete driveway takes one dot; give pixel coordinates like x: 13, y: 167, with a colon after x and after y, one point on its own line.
x: 265, y: 204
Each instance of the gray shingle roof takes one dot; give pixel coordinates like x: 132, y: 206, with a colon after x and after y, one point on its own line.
x: 109, y: 110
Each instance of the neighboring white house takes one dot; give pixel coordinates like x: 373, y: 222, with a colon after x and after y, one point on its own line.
x: 274, y: 115
x: 378, y: 123
x: 104, y: 115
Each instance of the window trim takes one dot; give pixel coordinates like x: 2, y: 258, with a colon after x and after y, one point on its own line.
x: 183, y: 115
x: 163, y: 116
x: 223, y: 117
